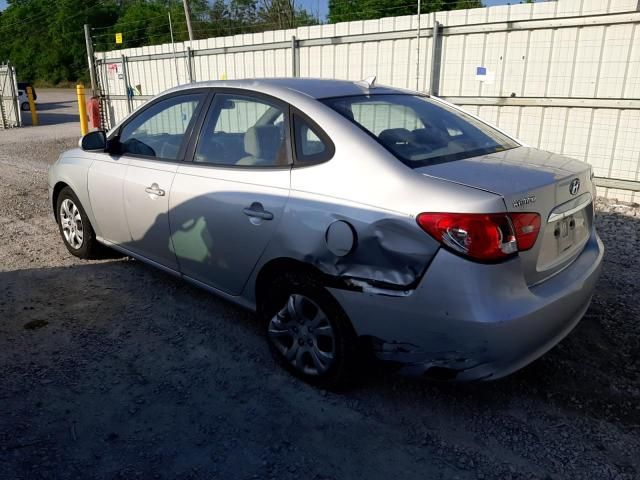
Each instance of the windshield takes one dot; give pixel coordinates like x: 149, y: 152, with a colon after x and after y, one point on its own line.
x: 420, y: 131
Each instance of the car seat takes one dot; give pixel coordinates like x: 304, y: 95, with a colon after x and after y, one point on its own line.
x: 261, y: 143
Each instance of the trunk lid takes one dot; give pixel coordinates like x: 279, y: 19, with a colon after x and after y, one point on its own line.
x: 530, y: 180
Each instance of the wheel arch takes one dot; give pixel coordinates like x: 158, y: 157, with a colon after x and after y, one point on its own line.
x: 280, y: 265
x: 57, y: 188
x: 72, y: 172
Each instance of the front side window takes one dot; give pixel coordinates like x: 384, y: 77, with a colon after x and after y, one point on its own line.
x: 244, y: 131
x: 159, y: 131
x: 420, y: 131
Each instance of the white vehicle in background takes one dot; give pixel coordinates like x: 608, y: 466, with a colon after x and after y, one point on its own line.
x: 24, y: 100
x: 22, y: 96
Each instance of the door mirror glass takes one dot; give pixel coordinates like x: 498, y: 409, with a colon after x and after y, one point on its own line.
x: 94, y: 141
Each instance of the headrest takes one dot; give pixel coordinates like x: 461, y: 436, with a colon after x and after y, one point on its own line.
x: 432, y: 137
x: 392, y: 136
x: 262, y: 141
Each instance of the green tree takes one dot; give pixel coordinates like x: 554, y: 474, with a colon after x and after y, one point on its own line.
x: 44, y: 39
x: 347, y: 10
x: 230, y: 18
x: 279, y: 14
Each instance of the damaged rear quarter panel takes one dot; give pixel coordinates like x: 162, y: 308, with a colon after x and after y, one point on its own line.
x: 379, y: 197
x: 389, y: 248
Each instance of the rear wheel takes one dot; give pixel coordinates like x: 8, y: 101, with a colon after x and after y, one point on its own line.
x: 309, y: 333
x: 75, y: 229
x: 24, y: 106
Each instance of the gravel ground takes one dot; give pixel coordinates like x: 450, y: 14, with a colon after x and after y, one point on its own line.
x: 112, y: 369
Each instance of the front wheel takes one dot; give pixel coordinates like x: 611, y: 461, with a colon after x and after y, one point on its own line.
x: 24, y: 106
x: 309, y: 333
x: 75, y: 229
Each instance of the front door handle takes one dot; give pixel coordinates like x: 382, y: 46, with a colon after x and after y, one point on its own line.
x: 155, y: 190
x: 256, y: 210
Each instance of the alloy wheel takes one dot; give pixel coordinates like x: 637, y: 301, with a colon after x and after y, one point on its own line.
x: 71, y: 223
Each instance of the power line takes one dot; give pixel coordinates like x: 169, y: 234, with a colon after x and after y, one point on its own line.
x: 124, y: 31
x: 146, y: 19
x: 252, y: 25
x: 145, y: 37
x: 225, y: 26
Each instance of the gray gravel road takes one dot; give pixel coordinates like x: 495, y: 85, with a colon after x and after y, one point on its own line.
x: 112, y: 369
x: 57, y: 108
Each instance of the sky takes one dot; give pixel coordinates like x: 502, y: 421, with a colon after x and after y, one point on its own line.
x: 321, y: 5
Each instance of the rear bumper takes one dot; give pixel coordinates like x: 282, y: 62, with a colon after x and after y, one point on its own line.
x: 474, y: 321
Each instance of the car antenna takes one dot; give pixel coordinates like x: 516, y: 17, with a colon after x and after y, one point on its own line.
x: 369, y: 82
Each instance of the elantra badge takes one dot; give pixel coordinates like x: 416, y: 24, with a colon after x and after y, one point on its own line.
x: 574, y: 186
x: 524, y: 201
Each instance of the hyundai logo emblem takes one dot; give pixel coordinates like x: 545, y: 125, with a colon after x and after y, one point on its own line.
x: 574, y: 186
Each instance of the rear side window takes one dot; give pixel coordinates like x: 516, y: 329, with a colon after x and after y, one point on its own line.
x: 420, y: 131
x: 243, y: 131
x: 312, y: 145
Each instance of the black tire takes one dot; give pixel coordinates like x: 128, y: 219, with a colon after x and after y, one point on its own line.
x: 24, y: 106
x: 341, y: 373
x: 90, y: 247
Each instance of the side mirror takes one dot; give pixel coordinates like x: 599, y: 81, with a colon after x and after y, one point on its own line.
x: 94, y: 141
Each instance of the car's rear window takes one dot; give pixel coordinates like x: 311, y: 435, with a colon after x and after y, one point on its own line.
x: 418, y: 130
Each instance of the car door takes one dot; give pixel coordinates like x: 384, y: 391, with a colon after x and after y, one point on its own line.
x: 153, y: 144
x: 105, y: 184
x: 226, y: 203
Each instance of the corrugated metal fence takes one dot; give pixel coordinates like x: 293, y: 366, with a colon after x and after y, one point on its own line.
x: 561, y: 75
x: 9, y: 106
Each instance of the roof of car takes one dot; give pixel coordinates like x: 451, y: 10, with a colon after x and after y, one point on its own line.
x: 313, y: 87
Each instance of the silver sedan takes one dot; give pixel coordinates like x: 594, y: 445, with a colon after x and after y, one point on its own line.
x: 353, y: 218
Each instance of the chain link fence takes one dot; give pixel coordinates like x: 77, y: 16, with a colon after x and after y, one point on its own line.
x: 560, y: 75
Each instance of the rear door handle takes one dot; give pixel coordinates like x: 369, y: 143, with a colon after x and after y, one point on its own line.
x: 256, y: 210
x: 155, y: 190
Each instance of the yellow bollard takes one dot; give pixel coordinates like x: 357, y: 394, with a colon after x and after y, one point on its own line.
x: 32, y: 107
x: 82, y: 108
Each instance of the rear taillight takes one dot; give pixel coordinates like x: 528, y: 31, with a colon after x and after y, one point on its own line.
x: 526, y: 227
x: 484, y: 237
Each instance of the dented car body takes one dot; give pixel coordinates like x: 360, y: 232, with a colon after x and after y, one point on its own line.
x: 452, y: 249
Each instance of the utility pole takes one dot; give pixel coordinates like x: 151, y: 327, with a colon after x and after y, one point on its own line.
x: 188, y: 17
x: 435, y: 58
x: 418, y: 49
x: 173, y: 45
x: 90, y: 59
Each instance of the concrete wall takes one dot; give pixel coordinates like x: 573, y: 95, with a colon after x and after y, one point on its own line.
x: 561, y: 75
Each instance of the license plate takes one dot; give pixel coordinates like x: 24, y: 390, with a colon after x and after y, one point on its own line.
x: 565, y: 233
x: 562, y: 238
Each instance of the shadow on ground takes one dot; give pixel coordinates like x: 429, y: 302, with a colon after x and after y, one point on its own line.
x: 114, y: 369
x: 48, y: 118
x: 54, y: 107
x: 45, y: 107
